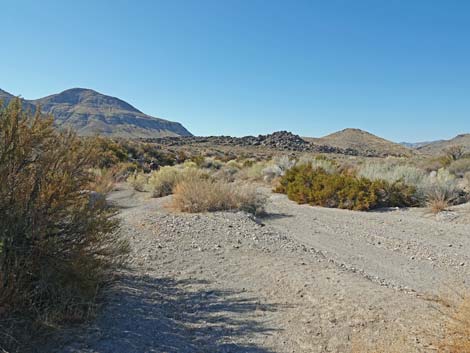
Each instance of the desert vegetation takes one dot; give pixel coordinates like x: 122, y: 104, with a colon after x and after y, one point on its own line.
x: 206, y: 195
x: 58, y: 243
x: 315, y: 186
x: 317, y: 180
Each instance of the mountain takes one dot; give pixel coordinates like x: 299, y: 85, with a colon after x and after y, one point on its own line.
x: 6, y: 97
x: 89, y: 112
x: 363, y: 142
x: 415, y: 145
x: 438, y: 147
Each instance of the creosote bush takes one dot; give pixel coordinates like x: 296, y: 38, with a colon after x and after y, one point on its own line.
x: 57, y: 240
x: 307, y: 184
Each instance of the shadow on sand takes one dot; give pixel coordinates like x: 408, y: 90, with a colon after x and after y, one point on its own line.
x: 146, y: 314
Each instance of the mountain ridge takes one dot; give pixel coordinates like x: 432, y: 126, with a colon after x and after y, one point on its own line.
x: 438, y: 147
x: 89, y: 112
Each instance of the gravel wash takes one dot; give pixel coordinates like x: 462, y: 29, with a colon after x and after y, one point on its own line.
x: 227, y: 282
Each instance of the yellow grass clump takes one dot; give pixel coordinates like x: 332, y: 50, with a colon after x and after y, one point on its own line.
x: 207, y: 195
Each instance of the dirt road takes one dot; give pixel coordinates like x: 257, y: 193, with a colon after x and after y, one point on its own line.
x: 404, y: 249
x: 300, y: 280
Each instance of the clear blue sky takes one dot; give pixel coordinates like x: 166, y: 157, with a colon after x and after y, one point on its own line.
x: 399, y: 69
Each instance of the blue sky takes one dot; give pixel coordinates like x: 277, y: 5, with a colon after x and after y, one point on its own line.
x: 399, y: 69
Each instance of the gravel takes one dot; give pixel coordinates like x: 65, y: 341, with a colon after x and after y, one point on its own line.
x: 302, y: 279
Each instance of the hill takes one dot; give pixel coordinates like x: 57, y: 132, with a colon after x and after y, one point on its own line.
x: 89, y: 112
x: 6, y: 97
x: 363, y: 142
x: 438, y: 147
x: 416, y: 145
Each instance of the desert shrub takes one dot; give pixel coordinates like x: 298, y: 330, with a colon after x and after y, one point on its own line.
x: 455, y: 152
x: 234, y: 164
x: 57, y: 241
x: 104, y: 179
x: 459, y: 167
x: 138, y: 181
x: 426, y: 185
x: 162, y: 182
x: 440, y: 185
x: 248, y: 162
x: 272, y: 172
x: 226, y: 173
x: 198, y: 160
x: 145, y: 156
x: 147, y: 153
x: 318, y: 162
x: 392, y: 172
x: 211, y: 163
x: 253, y: 172
x: 277, y: 168
x: 109, y: 151
x: 208, y: 195
x: 434, y: 163
x: 189, y: 164
x: 306, y: 184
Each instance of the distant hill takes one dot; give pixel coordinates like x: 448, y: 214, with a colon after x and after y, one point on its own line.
x: 415, y: 145
x: 363, y: 142
x: 89, y: 112
x: 438, y: 147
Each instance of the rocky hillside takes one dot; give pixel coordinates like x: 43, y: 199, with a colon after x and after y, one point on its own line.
x: 438, y: 147
x: 6, y: 97
x: 362, y: 141
x: 279, y: 140
x: 89, y: 113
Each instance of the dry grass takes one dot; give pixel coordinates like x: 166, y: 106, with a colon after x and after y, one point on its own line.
x: 162, y: 182
x: 207, y: 195
x: 437, y: 205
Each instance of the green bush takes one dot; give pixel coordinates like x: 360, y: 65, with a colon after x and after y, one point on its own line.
x: 57, y: 239
x: 308, y: 184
